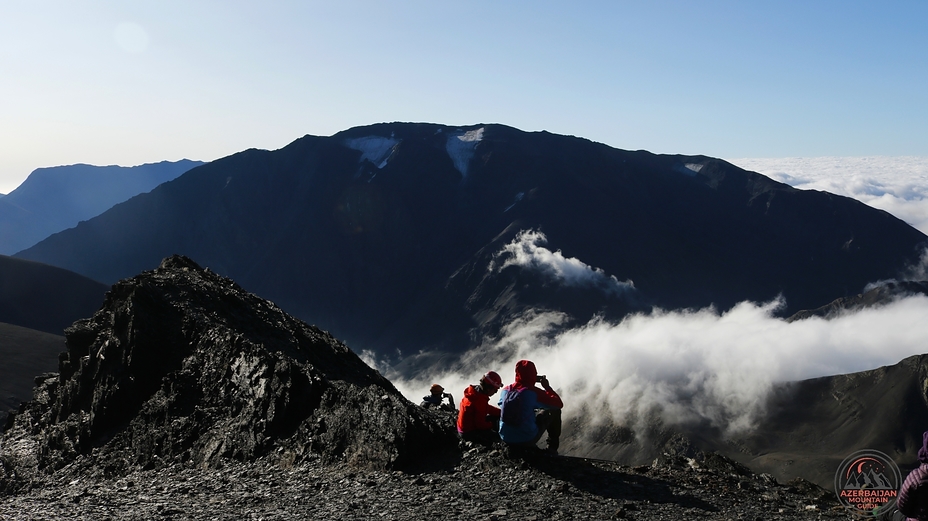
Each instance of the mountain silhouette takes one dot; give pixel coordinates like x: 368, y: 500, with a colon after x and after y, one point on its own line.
x: 413, y: 237
x: 56, y: 198
x: 869, y: 479
x: 182, y: 365
x: 812, y: 425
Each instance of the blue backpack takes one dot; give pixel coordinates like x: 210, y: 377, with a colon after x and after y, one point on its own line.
x: 511, y: 407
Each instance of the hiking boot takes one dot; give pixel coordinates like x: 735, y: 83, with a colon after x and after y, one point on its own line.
x: 551, y: 446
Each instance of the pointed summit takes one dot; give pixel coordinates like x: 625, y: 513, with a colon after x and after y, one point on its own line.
x: 181, y: 365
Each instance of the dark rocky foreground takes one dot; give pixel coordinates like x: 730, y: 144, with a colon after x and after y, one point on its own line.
x: 478, y: 484
x: 185, y: 397
x: 181, y: 365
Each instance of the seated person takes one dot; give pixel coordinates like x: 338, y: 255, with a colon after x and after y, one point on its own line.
x: 528, y: 412
x: 478, y: 421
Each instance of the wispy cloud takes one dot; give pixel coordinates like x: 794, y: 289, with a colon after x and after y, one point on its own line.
x: 527, y: 251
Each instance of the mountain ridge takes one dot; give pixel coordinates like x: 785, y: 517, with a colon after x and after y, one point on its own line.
x: 382, y: 222
x: 57, y: 198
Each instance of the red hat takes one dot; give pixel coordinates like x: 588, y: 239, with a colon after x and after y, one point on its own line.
x: 493, y: 379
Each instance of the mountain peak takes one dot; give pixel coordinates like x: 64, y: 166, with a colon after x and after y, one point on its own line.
x: 182, y: 365
x: 380, y: 223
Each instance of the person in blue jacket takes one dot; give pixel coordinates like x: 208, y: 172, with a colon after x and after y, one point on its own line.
x: 527, y: 412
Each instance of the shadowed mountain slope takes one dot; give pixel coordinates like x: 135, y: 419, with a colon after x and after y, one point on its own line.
x: 181, y: 365
x: 814, y: 424
x: 24, y: 354
x: 57, y: 198
x: 43, y: 297
x: 384, y: 235
x: 810, y: 426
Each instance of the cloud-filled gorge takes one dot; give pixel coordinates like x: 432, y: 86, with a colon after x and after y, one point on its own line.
x: 688, y: 367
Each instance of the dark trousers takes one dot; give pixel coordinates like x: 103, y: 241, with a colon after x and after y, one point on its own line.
x: 549, y: 420
x: 487, y: 437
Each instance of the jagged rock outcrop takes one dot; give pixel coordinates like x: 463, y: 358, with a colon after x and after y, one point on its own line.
x: 182, y: 365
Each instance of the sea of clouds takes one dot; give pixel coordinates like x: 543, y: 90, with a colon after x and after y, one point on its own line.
x: 898, y: 185
x: 703, y: 365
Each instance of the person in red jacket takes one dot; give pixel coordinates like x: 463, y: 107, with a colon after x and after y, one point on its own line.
x: 478, y: 421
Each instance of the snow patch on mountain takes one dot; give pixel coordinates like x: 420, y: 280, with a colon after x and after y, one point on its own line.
x: 695, y: 167
x: 376, y: 149
x: 461, y: 148
x: 688, y: 169
x: 526, y: 251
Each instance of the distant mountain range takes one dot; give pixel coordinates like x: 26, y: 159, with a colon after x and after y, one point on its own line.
x: 53, y: 199
x: 427, y: 237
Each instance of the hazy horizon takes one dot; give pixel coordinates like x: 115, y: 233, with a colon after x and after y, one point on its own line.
x: 130, y: 83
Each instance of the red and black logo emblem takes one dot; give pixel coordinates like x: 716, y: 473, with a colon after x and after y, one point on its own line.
x: 867, y: 482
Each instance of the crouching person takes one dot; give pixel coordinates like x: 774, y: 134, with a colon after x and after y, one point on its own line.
x: 478, y: 421
x: 528, y: 411
x: 436, y: 398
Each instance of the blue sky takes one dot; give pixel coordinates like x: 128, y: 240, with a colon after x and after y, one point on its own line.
x: 106, y: 82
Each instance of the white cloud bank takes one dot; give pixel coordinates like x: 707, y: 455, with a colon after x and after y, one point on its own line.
x: 898, y: 185
x: 687, y: 366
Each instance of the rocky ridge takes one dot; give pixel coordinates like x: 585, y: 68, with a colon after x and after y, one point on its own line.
x: 182, y: 366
